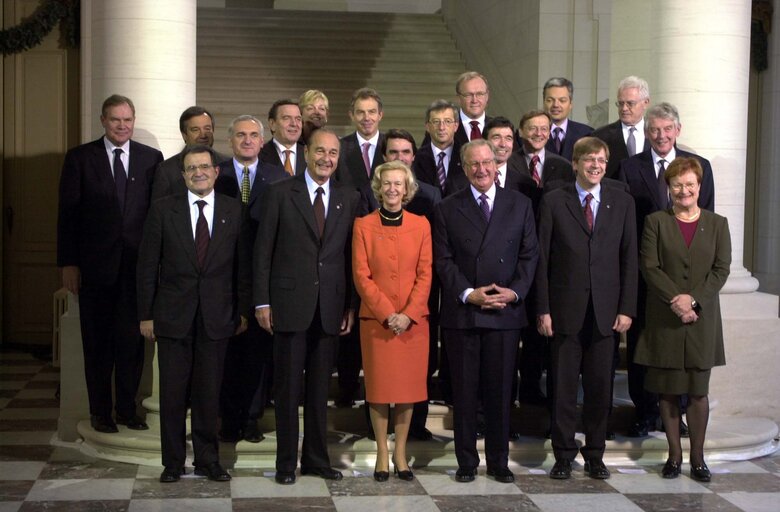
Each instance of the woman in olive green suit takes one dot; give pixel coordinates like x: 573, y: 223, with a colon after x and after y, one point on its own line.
x: 685, y: 259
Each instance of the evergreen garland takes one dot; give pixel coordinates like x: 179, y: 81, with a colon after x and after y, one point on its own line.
x: 31, y: 31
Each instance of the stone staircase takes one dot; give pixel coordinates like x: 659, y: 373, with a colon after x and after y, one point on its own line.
x: 248, y: 58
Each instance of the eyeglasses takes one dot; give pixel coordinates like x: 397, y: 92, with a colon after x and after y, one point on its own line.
x: 629, y: 104
x: 473, y: 95
x: 473, y: 166
x: 441, y: 122
x: 192, y: 168
x: 590, y: 160
x: 678, y: 187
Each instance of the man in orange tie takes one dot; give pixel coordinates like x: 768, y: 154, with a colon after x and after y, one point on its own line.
x: 284, y: 149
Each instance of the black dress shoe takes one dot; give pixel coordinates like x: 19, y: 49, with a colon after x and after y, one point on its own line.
x: 465, y: 474
x: 514, y: 435
x: 405, y: 475
x: 133, y: 423
x: 252, y: 432
x: 700, y: 472
x: 561, y: 470
x: 671, y: 469
x: 213, y: 471
x: 103, y: 424
x: 285, y: 477
x: 533, y: 396
x: 503, y: 475
x: 422, y: 434
x: 638, y: 429
x: 595, y: 468
x: 326, y: 473
x: 170, y: 475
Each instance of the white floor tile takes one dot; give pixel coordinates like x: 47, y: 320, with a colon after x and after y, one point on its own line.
x: 440, y: 485
x: 377, y: 503
x: 263, y: 487
x: 20, y: 470
x: 584, y: 502
x: 652, y: 483
x: 97, y: 489
x: 754, y: 501
x: 182, y: 505
x: 733, y: 467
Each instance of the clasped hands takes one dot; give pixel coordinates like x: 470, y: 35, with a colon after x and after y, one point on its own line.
x: 491, y: 296
x: 398, y: 322
x: 682, y: 307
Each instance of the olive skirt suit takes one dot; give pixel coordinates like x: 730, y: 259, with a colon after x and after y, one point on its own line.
x: 392, y: 268
x: 680, y: 356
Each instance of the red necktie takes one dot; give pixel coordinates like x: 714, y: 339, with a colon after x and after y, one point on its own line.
x: 319, y: 210
x: 535, y: 170
x: 475, y: 133
x: 201, y: 235
x: 589, y: 212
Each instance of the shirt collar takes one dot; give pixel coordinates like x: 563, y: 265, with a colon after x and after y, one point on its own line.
x: 669, y: 157
x: 313, y: 185
x: 373, y: 140
x: 239, y: 166
x: 491, y: 193
x: 563, y: 126
x: 209, y: 198
x: 447, y: 151
x: 110, y: 146
x: 581, y: 192
x: 466, y: 120
x: 282, y: 148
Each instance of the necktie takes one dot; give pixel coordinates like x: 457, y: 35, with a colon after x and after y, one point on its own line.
x: 319, y: 210
x: 201, y: 235
x: 535, y: 170
x: 440, y: 171
x: 663, y: 190
x: 366, y: 160
x: 589, y: 212
x: 245, y: 186
x: 475, y: 133
x: 631, y: 142
x: 288, y: 163
x: 485, y: 207
x: 120, y: 179
x: 497, y: 180
x: 558, y: 139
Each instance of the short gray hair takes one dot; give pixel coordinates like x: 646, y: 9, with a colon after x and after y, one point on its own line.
x: 246, y: 117
x: 663, y: 110
x: 634, y: 82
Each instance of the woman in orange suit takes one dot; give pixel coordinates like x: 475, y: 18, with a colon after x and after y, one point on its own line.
x: 392, y: 266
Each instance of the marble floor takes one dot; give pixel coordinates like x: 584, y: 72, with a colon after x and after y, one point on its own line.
x: 39, y: 473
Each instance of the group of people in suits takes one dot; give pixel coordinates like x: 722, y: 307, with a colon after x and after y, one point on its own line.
x: 485, y: 236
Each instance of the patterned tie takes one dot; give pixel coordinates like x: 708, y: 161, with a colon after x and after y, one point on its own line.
x: 475, y: 133
x: 120, y: 179
x: 366, y: 160
x: 558, y: 139
x: 497, y: 180
x: 631, y: 142
x: 201, y: 235
x: 589, y: 212
x: 319, y: 210
x: 245, y: 186
x: 535, y: 170
x: 663, y: 189
x: 485, y: 207
x: 288, y: 163
x: 440, y: 171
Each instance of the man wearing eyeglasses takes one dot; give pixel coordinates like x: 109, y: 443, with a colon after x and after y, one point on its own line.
x: 438, y: 161
x: 193, y: 295
x: 644, y: 175
x: 626, y: 136
x: 473, y: 94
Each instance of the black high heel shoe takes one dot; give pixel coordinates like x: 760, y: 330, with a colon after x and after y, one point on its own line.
x: 381, y: 476
x: 405, y: 475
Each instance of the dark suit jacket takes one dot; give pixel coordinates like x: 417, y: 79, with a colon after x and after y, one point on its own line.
x: 295, y: 271
x: 576, y: 266
x: 556, y: 169
x: 574, y: 132
x: 171, y: 286
x: 639, y: 173
x: 229, y: 184
x: 269, y: 155
x: 352, y: 170
x: 423, y: 202
x: 517, y: 176
x: 91, y: 230
x: 168, y: 179
x: 612, y: 135
x: 469, y: 253
x: 425, y: 170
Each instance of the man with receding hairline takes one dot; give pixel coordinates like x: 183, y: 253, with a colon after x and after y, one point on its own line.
x: 285, y: 149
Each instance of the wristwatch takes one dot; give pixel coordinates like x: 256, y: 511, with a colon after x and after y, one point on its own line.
x: 695, y: 305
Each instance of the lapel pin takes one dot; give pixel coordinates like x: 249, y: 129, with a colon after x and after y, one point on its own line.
x: 223, y: 221
x: 338, y: 206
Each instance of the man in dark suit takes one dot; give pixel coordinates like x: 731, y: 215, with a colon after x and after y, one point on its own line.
x: 626, y: 136
x: 438, y: 162
x: 557, y: 96
x: 473, y: 94
x: 193, y: 282
x: 196, y: 125
x: 249, y: 359
x: 285, y: 149
x: 105, y: 188
x: 400, y: 145
x: 485, y: 254
x: 644, y: 175
x: 586, y: 286
x: 303, y: 295
x: 314, y: 107
x: 510, y: 172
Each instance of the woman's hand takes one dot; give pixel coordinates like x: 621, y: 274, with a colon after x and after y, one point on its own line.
x: 681, y: 304
x: 398, y: 322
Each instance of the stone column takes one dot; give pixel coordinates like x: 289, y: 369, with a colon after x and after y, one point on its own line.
x: 702, y: 58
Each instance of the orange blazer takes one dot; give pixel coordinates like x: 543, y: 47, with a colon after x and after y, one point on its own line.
x: 392, y: 266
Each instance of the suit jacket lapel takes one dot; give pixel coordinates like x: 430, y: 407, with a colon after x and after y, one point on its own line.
x: 103, y: 174
x: 335, y: 209
x: 470, y: 210
x: 182, y: 224
x: 650, y: 179
x: 301, y: 200
x: 575, y: 208
x: 500, y: 210
x: 218, y: 228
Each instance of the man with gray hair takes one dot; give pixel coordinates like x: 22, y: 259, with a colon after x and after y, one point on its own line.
x: 557, y: 96
x: 626, y: 136
x: 644, y: 175
x: 438, y: 161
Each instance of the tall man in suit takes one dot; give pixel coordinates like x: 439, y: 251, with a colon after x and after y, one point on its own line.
x: 557, y: 96
x: 285, y: 149
x: 303, y: 296
x: 314, y: 109
x: 586, y: 286
x: 249, y: 359
x: 438, y: 162
x: 485, y: 254
x: 105, y: 188
x: 626, y: 136
x: 644, y: 175
x: 196, y: 125
x: 473, y: 95
x: 192, y: 284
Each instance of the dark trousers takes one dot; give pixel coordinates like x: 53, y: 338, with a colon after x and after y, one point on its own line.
x: 247, y: 381
x: 591, y: 353
x: 645, y: 402
x: 531, y: 360
x: 481, y: 364
x: 302, y: 361
x: 349, y: 362
x: 192, y: 364
x: 112, y: 341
